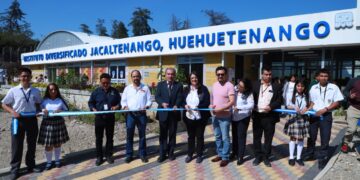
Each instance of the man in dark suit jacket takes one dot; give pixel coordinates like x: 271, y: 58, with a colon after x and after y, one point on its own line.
x: 267, y: 97
x: 168, y: 95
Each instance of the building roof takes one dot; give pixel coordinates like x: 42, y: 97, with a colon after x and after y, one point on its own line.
x: 65, y: 38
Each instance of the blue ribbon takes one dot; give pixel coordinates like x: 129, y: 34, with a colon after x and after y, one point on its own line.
x: 358, y: 122
x: 290, y: 111
x: 78, y: 113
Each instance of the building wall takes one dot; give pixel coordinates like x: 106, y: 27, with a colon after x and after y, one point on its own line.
x: 212, y: 60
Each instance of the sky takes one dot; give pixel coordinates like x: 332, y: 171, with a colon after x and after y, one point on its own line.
x: 46, y: 16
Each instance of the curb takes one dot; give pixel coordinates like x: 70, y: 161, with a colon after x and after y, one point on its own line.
x: 330, y: 163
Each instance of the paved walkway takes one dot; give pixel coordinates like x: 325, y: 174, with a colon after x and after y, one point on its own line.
x: 81, y: 165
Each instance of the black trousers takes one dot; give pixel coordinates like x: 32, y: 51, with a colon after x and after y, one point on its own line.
x: 239, y: 132
x: 195, y: 130
x: 103, y: 123
x: 167, y: 137
x: 325, y: 126
x: 28, y: 126
x: 263, y: 124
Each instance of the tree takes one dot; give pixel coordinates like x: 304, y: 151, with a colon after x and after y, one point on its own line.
x: 175, y: 23
x: 100, y: 28
x: 186, y: 24
x: 119, y: 30
x: 139, y: 22
x: 217, y: 18
x: 13, y: 20
x: 15, y: 38
x: 85, y: 29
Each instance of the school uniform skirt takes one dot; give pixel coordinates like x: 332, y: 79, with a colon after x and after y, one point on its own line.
x: 297, y: 127
x: 53, y: 131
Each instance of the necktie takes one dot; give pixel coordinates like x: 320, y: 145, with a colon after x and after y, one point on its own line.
x: 169, y: 88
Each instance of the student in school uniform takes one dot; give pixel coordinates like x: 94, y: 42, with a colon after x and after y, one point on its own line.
x: 53, y: 132
x: 297, y: 127
x: 324, y: 97
x: 23, y: 99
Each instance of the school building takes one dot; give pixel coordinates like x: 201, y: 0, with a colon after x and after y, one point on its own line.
x: 300, y: 44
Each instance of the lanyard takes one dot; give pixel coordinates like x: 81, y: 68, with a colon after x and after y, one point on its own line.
x: 299, y: 104
x: 324, y: 92
x: 27, y: 98
x: 262, y: 91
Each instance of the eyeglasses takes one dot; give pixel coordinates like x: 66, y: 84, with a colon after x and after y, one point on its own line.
x: 220, y: 75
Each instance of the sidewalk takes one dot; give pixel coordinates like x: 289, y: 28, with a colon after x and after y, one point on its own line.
x: 81, y: 165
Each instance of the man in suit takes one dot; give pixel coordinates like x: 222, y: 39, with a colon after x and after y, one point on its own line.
x: 267, y: 97
x: 168, y: 95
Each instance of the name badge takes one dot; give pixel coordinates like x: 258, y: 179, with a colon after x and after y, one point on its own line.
x: 106, y: 107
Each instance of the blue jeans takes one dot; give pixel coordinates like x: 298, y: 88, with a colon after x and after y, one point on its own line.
x: 140, y: 121
x: 222, y: 136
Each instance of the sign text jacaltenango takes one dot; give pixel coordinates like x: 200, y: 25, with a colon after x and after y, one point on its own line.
x: 286, y: 33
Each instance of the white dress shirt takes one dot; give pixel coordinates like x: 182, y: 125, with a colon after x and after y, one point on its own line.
x: 324, y: 96
x: 136, y: 98
x: 245, y: 106
x: 265, y: 95
x: 53, y: 104
x: 192, y: 99
x: 300, y: 102
x: 22, y: 100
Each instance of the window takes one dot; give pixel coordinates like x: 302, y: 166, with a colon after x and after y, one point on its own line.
x: 189, y: 64
x: 117, y: 71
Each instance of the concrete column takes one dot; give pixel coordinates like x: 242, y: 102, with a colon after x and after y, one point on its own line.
x: 160, y: 69
x: 261, y: 63
x: 91, y: 71
x: 222, y: 58
x: 322, y: 58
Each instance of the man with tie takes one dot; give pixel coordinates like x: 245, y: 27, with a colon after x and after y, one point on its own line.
x: 168, y: 95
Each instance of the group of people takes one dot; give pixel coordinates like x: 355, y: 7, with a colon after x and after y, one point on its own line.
x: 227, y: 105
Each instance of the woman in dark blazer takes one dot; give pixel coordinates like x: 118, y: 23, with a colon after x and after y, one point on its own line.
x: 196, y: 95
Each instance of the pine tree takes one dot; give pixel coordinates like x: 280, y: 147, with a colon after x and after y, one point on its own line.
x: 85, y: 29
x: 139, y: 22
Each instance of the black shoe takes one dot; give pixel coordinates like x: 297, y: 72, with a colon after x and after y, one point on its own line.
x: 267, y: 162
x: 35, y: 170
x: 144, y: 159
x: 199, y: 159
x: 256, y: 162
x: 292, y: 162
x: 48, y: 166
x: 300, y: 162
x: 232, y: 156
x: 310, y: 157
x: 110, y: 160
x: 58, y: 164
x: 188, y: 159
x: 99, y: 161
x: 240, y: 161
x: 161, y: 159
x: 13, y: 176
x: 172, y: 157
x: 128, y: 159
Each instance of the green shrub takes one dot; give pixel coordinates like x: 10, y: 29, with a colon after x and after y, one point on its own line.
x: 340, y: 112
